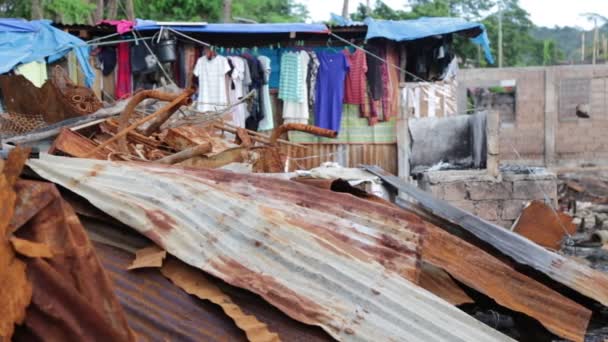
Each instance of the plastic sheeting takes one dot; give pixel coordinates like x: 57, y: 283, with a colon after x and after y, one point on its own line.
x: 147, y: 25
x: 24, y: 41
x: 403, y: 30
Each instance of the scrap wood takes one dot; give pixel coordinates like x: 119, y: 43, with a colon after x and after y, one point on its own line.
x: 31, y: 249
x: 111, y: 127
x: 243, y: 138
x: 151, y: 256
x: 587, y: 281
x: 16, y: 289
x: 543, y: 225
x: 439, y: 282
x: 231, y: 155
x: 75, y: 145
x: 120, y: 136
x: 310, y: 129
x: 194, y: 282
x: 186, y: 154
x: 501, y: 282
x: 256, y: 136
x: 575, y: 186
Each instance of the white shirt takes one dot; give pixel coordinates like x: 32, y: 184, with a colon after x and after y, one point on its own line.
x: 267, y: 122
x: 239, y: 114
x: 211, y: 83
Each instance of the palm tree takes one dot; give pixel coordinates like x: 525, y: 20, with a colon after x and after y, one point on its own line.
x: 595, y: 18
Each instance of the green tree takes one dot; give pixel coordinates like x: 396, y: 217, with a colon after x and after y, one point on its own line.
x: 211, y: 10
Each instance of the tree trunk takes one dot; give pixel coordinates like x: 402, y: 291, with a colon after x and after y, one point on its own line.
x: 99, y: 7
x: 345, y: 9
x: 227, y: 17
x: 36, y: 9
x: 130, y: 10
x: 112, y: 9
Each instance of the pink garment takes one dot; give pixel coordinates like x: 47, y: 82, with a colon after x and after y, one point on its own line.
x: 123, y: 77
x: 122, y: 26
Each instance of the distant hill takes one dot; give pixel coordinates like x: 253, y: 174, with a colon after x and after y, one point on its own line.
x: 568, y: 40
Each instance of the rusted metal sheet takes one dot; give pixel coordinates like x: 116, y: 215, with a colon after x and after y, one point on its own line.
x: 194, y: 282
x: 180, y: 138
x: 323, y: 258
x: 72, y: 299
x: 541, y: 224
x: 151, y: 256
x: 438, y: 281
x: 158, y: 310
x: 314, y: 130
x: 488, y: 275
x: 349, y: 155
x: 581, y: 278
x: 16, y: 290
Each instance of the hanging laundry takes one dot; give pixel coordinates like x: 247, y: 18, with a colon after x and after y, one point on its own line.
x: 35, y: 72
x: 123, y: 77
x: 107, y: 58
x: 237, y: 76
x: 374, y: 74
x: 393, y: 98
x: 211, y: 83
x: 268, y: 122
x: 297, y: 111
x: 330, y: 89
x: 256, y: 111
x: 313, y: 70
x: 291, y: 77
x: 355, y: 86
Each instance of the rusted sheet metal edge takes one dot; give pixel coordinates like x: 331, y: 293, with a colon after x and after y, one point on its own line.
x: 240, y: 231
x: 581, y: 278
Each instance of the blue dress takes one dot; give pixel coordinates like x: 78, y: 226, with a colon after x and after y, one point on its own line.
x: 330, y: 89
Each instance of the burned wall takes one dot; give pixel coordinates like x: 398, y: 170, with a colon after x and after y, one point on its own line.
x: 495, y: 199
x: 550, y: 127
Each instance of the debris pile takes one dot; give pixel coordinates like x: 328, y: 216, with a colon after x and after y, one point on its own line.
x: 171, y: 224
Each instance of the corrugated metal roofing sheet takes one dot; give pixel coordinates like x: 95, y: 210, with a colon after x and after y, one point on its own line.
x: 323, y: 258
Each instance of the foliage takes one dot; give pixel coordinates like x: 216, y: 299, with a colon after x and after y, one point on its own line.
x: 519, y: 46
x: 211, y: 10
x: 69, y: 11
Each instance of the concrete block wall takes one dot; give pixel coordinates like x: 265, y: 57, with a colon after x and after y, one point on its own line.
x: 495, y: 199
x: 538, y: 134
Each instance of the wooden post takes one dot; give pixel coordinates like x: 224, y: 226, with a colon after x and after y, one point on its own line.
x: 403, y: 137
x: 493, y: 136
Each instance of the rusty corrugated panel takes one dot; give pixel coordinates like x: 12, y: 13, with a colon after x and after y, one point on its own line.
x: 579, y: 277
x: 15, y: 288
x: 157, y: 310
x: 488, y: 275
x: 196, y: 283
x: 543, y: 225
x: 438, y: 281
x: 72, y: 299
x: 324, y: 258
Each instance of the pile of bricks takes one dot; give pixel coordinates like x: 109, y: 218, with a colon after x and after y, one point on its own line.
x: 495, y: 199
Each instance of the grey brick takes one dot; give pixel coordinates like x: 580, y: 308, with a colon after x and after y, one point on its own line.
x: 489, y: 190
x: 531, y: 190
x: 511, y: 209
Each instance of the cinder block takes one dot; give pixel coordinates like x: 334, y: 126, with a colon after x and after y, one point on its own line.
x: 468, y: 206
x: 511, y: 209
x: 487, y: 210
x: 489, y: 190
x: 531, y: 190
x: 455, y: 191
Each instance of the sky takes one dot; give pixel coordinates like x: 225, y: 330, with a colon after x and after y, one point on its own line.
x: 542, y: 12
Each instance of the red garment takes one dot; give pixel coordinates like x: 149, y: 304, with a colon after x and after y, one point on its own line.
x: 356, y: 80
x: 123, y: 78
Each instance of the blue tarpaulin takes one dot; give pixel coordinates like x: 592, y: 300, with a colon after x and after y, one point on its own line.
x: 24, y: 41
x: 403, y: 30
x: 147, y: 25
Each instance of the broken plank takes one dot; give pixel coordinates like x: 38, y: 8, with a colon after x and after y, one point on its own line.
x: 589, y: 282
